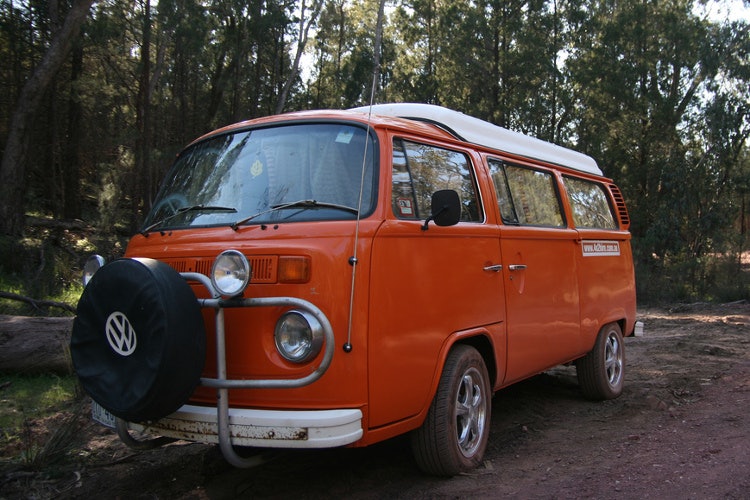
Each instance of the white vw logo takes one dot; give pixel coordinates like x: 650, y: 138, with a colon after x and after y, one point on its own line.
x: 120, y: 334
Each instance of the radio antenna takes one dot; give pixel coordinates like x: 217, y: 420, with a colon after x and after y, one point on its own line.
x: 353, y: 260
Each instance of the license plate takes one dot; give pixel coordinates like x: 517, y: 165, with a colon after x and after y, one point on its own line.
x: 101, y: 415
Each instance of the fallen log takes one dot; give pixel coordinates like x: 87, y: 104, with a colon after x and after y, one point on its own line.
x: 33, y: 345
x: 38, y: 304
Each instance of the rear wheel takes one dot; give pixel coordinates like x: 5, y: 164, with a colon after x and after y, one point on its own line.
x: 601, y: 371
x: 454, y: 435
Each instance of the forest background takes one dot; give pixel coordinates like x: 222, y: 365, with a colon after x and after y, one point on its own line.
x: 97, y: 97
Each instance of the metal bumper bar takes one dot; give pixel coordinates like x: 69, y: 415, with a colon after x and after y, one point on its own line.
x: 262, y: 428
x: 222, y: 384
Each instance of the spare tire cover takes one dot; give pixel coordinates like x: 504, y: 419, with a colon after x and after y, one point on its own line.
x: 138, y: 342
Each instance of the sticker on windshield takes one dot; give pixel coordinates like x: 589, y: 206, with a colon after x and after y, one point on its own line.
x: 256, y: 168
x: 404, y: 207
x: 600, y: 248
x: 345, y: 136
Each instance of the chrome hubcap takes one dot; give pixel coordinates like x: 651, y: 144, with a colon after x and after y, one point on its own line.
x: 471, y: 414
x: 613, y: 360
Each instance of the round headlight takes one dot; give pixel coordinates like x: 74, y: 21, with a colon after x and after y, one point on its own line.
x: 93, y: 264
x: 299, y: 336
x: 230, y: 273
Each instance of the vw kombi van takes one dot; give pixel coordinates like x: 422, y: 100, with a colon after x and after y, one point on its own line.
x: 336, y: 278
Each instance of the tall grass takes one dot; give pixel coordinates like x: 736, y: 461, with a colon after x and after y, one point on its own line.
x: 25, y: 399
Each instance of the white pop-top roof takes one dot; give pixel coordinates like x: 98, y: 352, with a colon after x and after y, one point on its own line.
x: 483, y: 133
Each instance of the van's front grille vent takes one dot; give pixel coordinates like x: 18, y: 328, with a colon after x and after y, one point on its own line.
x: 264, y: 267
x: 620, y: 203
x: 202, y: 266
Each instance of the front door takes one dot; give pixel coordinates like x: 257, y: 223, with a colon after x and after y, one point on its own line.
x: 428, y: 284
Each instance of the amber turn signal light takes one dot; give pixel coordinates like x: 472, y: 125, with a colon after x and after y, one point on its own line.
x: 294, y: 269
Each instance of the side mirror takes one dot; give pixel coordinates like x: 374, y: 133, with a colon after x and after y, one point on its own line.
x: 446, y: 208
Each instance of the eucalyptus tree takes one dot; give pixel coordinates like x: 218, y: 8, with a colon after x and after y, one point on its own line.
x: 538, y: 103
x: 419, y: 38
x: 308, y: 17
x: 16, y: 151
x: 648, y: 107
x: 180, y: 69
x: 500, y: 60
x: 498, y: 71
x: 331, y: 46
x: 715, y: 236
x: 344, y: 48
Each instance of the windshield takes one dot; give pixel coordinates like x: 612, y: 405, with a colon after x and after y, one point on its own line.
x: 303, y: 172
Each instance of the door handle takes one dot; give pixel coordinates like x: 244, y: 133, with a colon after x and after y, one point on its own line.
x: 494, y: 268
x: 517, y: 267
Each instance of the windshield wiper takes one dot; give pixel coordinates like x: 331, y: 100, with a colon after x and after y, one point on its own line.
x: 191, y: 208
x: 296, y: 204
x: 316, y: 204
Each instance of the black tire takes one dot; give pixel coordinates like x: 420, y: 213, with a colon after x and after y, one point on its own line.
x: 159, y: 365
x: 601, y: 373
x: 453, y: 437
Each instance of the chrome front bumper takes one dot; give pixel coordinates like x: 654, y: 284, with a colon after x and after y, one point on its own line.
x: 261, y: 428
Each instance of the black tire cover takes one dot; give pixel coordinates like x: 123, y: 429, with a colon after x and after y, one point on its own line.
x: 145, y: 310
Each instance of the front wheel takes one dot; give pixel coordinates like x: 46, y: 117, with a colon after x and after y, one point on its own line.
x: 601, y: 371
x: 454, y: 435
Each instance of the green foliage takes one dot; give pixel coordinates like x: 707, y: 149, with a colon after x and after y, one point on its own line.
x: 719, y: 278
x: 27, y: 398
x: 45, y: 265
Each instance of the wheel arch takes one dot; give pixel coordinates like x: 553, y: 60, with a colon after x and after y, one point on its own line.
x: 483, y: 344
x: 481, y: 340
x: 453, y: 436
x: 626, y: 325
x: 625, y: 317
x: 618, y: 317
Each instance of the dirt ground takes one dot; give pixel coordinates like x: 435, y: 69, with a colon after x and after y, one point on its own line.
x: 678, y: 431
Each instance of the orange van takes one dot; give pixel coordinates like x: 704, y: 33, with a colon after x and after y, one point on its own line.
x: 337, y: 278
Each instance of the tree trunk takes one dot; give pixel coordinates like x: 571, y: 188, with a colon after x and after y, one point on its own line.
x: 35, y: 345
x: 12, y: 168
x: 304, y: 29
x: 72, y: 147
x: 141, y: 196
x: 376, y: 51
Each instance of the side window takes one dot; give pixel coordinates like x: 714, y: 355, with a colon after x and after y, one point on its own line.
x: 525, y: 196
x: 419, y: 170
x: 589, y: 203
x: 504, y: 201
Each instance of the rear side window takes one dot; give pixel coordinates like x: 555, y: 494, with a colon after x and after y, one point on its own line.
x: 589, y: 203
x: 420, y: 169
x: 526, y: 197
